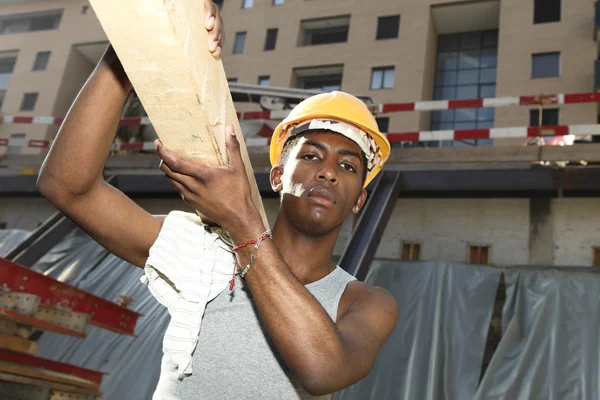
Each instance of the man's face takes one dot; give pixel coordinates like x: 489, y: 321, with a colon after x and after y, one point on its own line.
x: 321, y: 182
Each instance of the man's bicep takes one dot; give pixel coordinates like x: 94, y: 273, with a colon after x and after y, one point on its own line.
x: 365, y: 327
x: 116, y: 222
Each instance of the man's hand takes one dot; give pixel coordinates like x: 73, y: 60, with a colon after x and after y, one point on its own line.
x: 222, y: 193
x: 214, y: 25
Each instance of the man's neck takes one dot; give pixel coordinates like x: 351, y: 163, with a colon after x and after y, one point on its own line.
x: 308, y: 257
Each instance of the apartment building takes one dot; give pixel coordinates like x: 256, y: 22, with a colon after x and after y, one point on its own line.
x: 391, y: 51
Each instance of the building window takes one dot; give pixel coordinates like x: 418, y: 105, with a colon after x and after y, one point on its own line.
x: 41, y: 61
x: 388, y: 27
x: 411, y: 251
x: 31, y: 22
x: 84, y: 9
x: 546, y: 11
x: 238, y: 44
x: 550, y: 117
x: 324, y: 30
x: 479, y: 254
x: 29, y: 100
x: 232, y: 80
x: 247, y: 3
x: 278, y: 2
x: 7, y: 65
x: 596, y: 256
x: 382, y: 78
x: 324, y: 78
x: 219, y: 3
x: 545, y: 65
x: 2, y: 95
x: 3, y: 225
x: 383, y: 123
x: 271, y: 39
x: 264, y: 80
x: 465, y: 69
x: 16, y: 142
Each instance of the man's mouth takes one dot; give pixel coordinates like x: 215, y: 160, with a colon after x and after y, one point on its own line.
x: 322, y: 195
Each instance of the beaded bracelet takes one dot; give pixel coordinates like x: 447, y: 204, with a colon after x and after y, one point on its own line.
x: 256, y: 243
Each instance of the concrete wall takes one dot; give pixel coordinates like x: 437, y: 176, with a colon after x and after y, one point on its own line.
x: 576, y: 229
x: 445, y: 228
x: 562, y: 232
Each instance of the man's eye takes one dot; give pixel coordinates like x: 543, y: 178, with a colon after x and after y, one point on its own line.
x: 348, y: 167
x: 309, y: 157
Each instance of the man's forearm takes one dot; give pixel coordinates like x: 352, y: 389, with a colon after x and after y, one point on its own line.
x: 301, y: 329
x: 79, y: 152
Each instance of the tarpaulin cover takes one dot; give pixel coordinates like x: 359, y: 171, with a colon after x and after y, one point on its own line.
x: 133, y: 363
x: 549, y: 348
x: 437, y: 348
x: 550, y: 343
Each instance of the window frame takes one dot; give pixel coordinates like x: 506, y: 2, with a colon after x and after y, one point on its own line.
x: 560, y: 13
x: 548, y: 53
x: 412, y: 254
x: 247, y: 4
x: 397, y: 28
x: 34, y: 95
x: 383, y: 71
x: 479, y: 246
x: 534, y: 110
x: 264, y: 77
x: 37, y: 59
x: 235, y: 42
x: 276, y: 30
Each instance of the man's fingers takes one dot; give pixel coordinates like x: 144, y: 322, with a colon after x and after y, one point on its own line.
x: 233, y: 148
x: 174, y: 163
x: 214, y: 26
x: 184, y: 181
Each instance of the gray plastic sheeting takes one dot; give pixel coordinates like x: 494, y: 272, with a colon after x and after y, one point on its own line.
x: 133, y: 363
x: 437, y: 348
x: 549, y: 346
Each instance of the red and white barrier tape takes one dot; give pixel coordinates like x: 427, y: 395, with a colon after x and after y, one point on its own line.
x: 424, y: 136
x: 497, y: 102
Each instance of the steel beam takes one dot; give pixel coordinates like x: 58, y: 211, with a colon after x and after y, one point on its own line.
x: 53, y: 293
x: 41, y: 240
x: 89, y: 375
x: 361, y: 248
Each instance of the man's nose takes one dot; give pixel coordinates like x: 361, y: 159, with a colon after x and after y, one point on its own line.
x: 328, y: 173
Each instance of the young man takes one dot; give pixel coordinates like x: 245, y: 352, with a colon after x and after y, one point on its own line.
x: 296, y: 326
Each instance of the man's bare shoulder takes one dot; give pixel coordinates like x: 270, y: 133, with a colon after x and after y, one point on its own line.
x: 362, y: 297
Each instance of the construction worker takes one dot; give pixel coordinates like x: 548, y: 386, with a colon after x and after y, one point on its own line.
x: 296, y: 326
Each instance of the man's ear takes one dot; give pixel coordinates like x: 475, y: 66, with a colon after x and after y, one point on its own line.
x: 362, y: 198
x: 275, y: 178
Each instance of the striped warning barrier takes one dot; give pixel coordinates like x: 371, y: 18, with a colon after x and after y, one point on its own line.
x: 423, y: 136
x: 439, y: 105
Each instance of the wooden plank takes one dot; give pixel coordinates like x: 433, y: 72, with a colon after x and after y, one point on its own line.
x: 45, y: 375
x: 19, y: 344
x: 163, y: 46
x: 49, y: 384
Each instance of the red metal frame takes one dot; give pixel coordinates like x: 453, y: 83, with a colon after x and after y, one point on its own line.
x: 38, y: 324
x: 51, y: 365
x: 103, y: 313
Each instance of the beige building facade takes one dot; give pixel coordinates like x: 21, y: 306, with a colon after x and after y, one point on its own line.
x: 390, y: 50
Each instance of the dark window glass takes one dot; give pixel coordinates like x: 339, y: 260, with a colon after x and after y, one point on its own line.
x: 271, y: 39
x: 546, y: 11
x: 388, y: 27
x: 550, y: 117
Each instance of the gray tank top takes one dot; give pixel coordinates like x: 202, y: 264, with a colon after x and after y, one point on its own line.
x: 234, y: 358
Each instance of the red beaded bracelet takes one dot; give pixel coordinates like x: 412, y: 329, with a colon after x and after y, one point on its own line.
x: 263, y: 236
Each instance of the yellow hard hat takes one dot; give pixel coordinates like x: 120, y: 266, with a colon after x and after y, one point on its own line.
x: 335, y: 106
